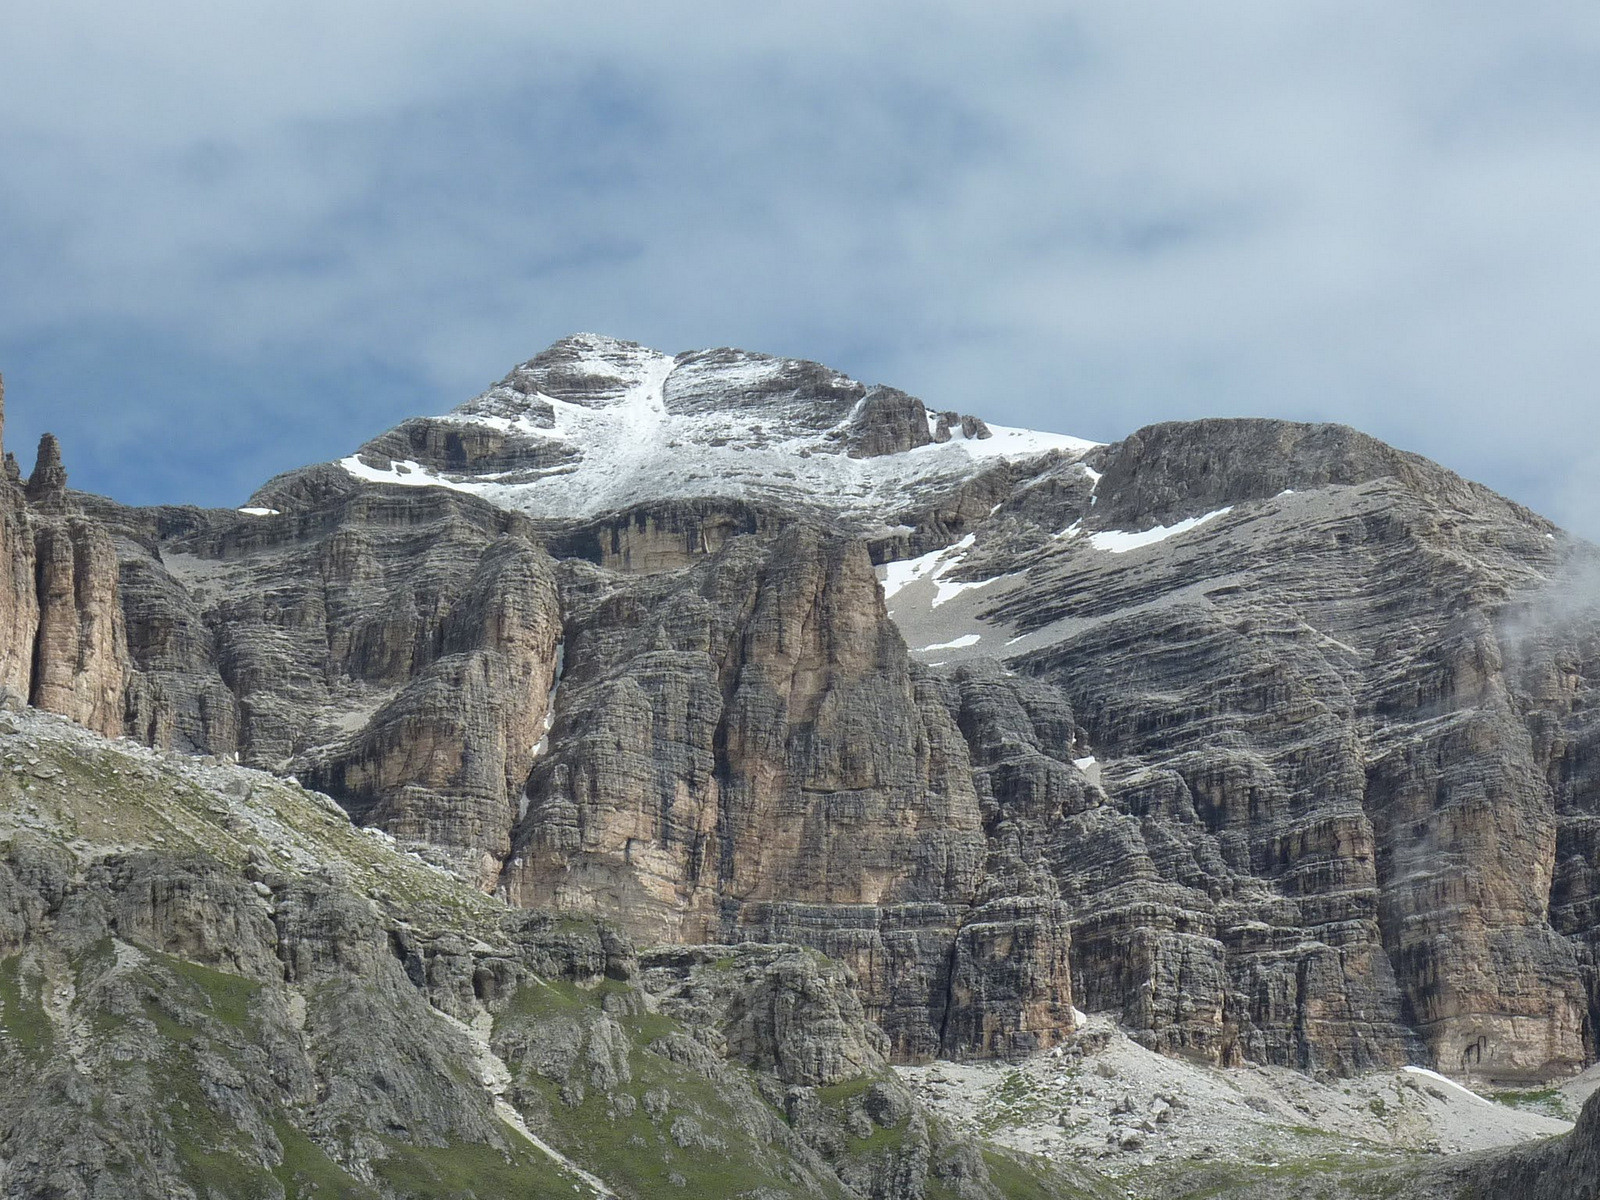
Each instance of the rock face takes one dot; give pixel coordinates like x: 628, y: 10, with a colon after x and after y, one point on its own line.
x: 80, y: 648
x: 48, y: 483
x: 1271, y: 740
x: 1326, y: 742
x: 63, y: 648
x: 19, y: 598
x: 398, y: 652
x: 746, y: 754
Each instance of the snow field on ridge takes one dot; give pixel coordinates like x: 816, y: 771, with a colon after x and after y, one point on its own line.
x: 631, y: 449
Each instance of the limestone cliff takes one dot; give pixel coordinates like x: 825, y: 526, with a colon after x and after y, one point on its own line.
x: 1271, y: 740
x: 397, y: 651
x: 19, y: 597
x: 63, y: 647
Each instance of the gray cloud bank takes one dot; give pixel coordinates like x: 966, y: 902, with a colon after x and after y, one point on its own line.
x: 237, y: 237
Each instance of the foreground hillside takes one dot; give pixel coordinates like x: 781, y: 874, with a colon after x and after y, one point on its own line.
x: 212, y: 985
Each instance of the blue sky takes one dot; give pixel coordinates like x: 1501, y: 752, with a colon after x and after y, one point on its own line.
x: 236, y: 238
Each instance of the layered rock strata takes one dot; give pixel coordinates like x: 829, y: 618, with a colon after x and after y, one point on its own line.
x: 1268, y: 738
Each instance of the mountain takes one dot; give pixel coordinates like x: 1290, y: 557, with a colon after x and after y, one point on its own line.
x: 1267, y: 740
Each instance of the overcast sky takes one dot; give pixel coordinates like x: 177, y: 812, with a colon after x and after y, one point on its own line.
x: 240, y: 237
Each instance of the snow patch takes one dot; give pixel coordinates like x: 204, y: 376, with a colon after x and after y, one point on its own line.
x: 1116, y: 541
x: 933, y: 566
x: 1083, y: 764
x: 406, y: 473
x: 1434, y: 1075
x: 960, y: 643
x: 253, y: 511
x: 1094, y: 481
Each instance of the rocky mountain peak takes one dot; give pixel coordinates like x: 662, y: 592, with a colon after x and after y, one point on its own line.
x: 1181, y: 468
x: 595, y: 425
x: 49, y: 479
x: 585, y: 369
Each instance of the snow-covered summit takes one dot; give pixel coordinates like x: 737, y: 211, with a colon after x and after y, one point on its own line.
x: 593, y: 425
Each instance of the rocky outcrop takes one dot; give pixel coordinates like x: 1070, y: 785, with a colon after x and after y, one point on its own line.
x: 665, y: 536
x: 19, y: 597
x: 456, y: 448
x: 62, y: 645
x: 80, y: 649
x: 746, y: 754
x: 888, y: 421
x: 48, y: 483
x: 1182, y: 468
x: 220, y: 1033
x: 1556, y: 1170
x: 779, y: 1009
x: 398, y: 651
x: 439, y: 761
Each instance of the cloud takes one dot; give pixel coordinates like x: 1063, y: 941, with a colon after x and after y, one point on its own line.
x: 258, y: 234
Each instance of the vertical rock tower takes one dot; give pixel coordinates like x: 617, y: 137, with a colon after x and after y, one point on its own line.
x: 19, y: 603
x: 48, y: 483
x: 62, y: 644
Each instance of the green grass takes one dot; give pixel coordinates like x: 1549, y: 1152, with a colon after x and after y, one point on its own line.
x: 1022, y: 1177
x: 22, y: 1016
x: 218, y: 1159
x: 222, y: 996
x: 214, y: 1164
x: 227, y: 996
x: 472, y: 1172
x: 1524, y: 1099
x: 306, y: 1170
x: 881, y: 1140
x: 550, y: 999
x: 837, y: 1095
x: 1017, y: 1101
x: 635, y: 1153
x: 1549, y: 1102
x: 646, y: 1027
x: 535, y: 1000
